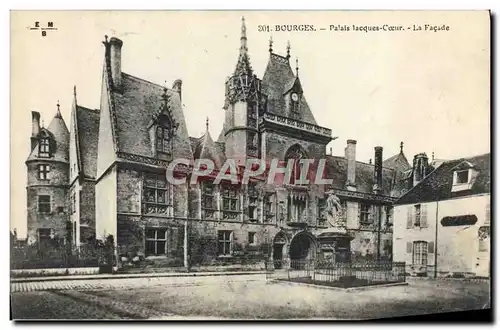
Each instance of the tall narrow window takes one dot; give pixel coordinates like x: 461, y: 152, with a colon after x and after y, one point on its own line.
x: 225, y: 242
x: 268, y: 208
x: 43, y: 172
x: 156, y: 193
x: 420, y: 253
x: 156, y: 241
x: 321, y: 211
x: 418, y: 212
x: 230, y: 202
x: 163, y: 139
x: 44, y: 204
x: 44, y: 147
x: 365, y: 214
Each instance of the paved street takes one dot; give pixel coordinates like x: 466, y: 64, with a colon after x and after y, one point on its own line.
x: 241, y: 296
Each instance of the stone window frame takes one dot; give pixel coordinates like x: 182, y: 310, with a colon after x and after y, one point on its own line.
x: 232, y: 195
x: 44, y: 207
x: 156, y: 240
x: 252, y: 238
x: 208, y: 192
x: 225, y: 243
x: 159, y: 207
x: 44, y: 147
x: 164, y: 137
x: 43, y: 171
x: 365, y: 215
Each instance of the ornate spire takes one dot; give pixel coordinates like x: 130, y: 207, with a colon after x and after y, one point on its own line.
x: 243, y: 65
x: 207, y: 123
x: 271, y: 44
x: 433, y: 156
x: 401, y: 147
x: 297, y: 66
x: 243, y: 38
x: 288, y: 49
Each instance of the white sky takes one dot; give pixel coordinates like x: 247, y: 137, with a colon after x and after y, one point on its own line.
x: 430, y: 90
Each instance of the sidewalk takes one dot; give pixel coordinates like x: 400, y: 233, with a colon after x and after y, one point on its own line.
x: 125, y: 276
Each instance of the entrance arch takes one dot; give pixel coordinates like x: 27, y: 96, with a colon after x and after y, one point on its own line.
x: 303, y: 246
x: 280, y: 246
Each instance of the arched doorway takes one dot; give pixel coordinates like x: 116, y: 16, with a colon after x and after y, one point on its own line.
x: 280, y: 244
x: 303, y: 246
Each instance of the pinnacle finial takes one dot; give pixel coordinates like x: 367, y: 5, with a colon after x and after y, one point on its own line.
x: 207, y: 123
x: 288, y: 47
x: 297, y: 66
x: 43, y: 123
x: 401, y: 146
x: 433, y: 156
x: 58, y: 113
x: 271, y: 44
x: 243, y: 38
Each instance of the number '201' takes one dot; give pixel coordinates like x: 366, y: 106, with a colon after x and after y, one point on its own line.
x: 263, y: 28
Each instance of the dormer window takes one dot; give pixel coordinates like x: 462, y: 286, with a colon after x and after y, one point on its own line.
x: 462, y: 177
x: 163, y: 139
x: 295, y: 103
x: 44, y: 147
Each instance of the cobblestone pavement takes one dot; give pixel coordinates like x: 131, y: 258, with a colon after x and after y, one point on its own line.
x: 235, y: 297
x: 127, y: 283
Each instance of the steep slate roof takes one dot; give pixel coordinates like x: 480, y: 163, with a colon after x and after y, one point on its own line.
x: 134, y: 108
x: 437, y: 185
x: 398, y: 162
x: 206, y: 148
x: 336, y: 169
x: 58, y: 131
x: 88, y: 136
x: 278, y: 79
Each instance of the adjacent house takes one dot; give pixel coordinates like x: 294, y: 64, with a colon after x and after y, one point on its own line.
x: 442, y: 224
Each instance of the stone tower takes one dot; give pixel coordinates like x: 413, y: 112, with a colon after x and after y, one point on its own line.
x: 242, y: 106
x: 47, y: 181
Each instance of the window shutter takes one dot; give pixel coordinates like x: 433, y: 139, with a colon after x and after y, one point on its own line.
x: 409, y: 247
x: 423, y: 216
x: 488, y: 214
x: 430, y: 247
x: 409, y: 217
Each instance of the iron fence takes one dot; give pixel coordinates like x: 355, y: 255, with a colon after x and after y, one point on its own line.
x: 337, y: 274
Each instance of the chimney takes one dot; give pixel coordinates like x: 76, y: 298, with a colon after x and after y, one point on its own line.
x: 35, y: 128
x: 350, y: 155
x: 115, y: 61
x: 377, y: 173
x: 178, y: 87
x: 420, y: 164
